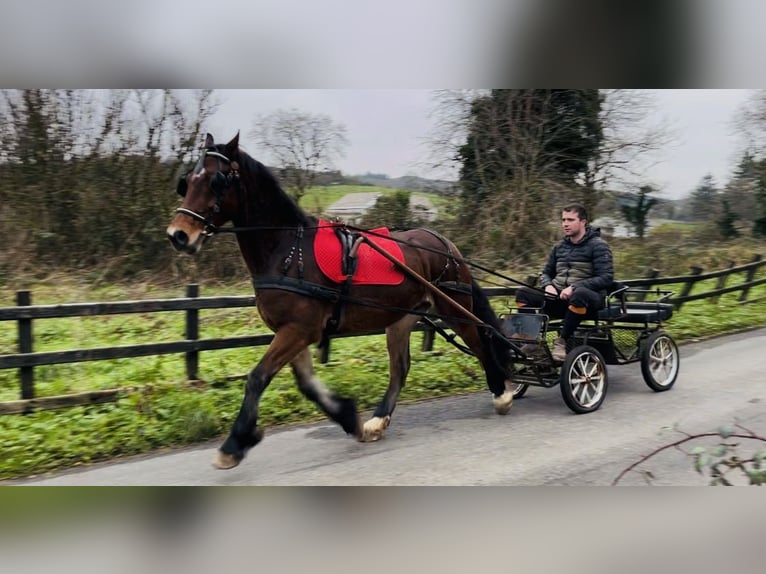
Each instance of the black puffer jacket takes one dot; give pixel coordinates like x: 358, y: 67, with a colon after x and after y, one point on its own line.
x: 584, y: 264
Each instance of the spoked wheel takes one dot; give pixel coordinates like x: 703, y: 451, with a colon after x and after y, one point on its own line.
x: 518, y: 389
x: 660, y: 361
x: 583, y: 379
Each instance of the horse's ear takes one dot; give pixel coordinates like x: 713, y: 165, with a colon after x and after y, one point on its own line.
x: 209, y: 140
x: 233, y: 145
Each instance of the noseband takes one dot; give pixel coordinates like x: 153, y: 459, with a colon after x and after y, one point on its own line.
x: 220, y: 181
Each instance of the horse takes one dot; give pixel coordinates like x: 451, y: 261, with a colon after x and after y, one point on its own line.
x: 303, y: 306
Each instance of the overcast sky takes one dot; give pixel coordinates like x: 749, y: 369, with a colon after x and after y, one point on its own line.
x: 404, y: 44
x: 388, y: 130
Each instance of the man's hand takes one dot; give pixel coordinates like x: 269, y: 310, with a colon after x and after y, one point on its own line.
x: 551, y: 290
x: 566, y: 293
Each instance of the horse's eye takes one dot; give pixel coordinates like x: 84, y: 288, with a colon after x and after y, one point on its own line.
x: 181, y: 189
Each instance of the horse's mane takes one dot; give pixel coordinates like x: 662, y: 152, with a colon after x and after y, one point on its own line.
x: 264, y: 195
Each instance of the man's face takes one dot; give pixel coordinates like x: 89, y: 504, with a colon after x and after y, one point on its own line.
x: 572, y: 224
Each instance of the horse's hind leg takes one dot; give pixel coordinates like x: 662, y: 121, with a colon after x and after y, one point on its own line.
x: 398, y: 344
x: 488, y: 355
x: 339, y: 409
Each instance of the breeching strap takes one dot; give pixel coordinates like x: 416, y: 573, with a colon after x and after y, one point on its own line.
x: 434, y: 290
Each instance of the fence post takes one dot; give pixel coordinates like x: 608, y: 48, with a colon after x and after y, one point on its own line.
x: 324, y: 353
x: 192, y: 334
x: 26, y: 374
x: 650, y: 274
x: 721, y: 283
x: 749, y: 277
x: 428, y: 338
x: 695, y: 270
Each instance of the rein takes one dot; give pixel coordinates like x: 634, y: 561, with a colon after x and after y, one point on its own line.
x: 222, y: 180
x: 233, y: 229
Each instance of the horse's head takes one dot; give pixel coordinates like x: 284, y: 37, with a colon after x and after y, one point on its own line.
x: 209, y: 196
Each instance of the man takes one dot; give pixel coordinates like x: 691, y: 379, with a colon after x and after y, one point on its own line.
x: 575, y: 279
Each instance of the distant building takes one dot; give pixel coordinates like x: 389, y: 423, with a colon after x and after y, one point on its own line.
x: 423, y: 207
x: 352, y: 207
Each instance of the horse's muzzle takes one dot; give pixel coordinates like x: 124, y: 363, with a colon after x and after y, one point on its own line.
x: 182, y: 242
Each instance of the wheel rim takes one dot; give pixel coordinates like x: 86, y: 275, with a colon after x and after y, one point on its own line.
x: 587, y: 376
x: 662, y: 362
x: 517, y: 388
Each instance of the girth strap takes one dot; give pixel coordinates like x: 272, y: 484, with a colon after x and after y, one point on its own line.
x: 350, y: 245
x: 299, y: 286
x: 302, y: 287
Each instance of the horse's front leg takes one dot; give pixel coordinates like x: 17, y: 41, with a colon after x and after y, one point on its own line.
x: 398, y: 344
x: 245, y: 433
x: 341, y: 410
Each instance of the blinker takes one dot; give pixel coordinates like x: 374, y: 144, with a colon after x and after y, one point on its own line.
x: 219, y: 183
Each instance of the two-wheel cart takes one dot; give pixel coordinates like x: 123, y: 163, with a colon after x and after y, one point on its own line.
x: 629, y: 329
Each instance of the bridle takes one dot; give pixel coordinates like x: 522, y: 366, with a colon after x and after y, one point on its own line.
x: 220, y: 182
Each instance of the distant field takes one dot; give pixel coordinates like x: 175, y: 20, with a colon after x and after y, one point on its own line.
x: 317, y: 199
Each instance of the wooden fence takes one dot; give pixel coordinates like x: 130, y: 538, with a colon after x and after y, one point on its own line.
x: 26, y: 359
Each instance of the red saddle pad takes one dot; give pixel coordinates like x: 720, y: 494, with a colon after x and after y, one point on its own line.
x: 372, y: 267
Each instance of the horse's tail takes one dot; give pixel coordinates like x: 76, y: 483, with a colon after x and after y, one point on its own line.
x: 492, y: 340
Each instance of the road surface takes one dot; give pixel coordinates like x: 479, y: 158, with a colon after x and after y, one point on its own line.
x: 461, y: 441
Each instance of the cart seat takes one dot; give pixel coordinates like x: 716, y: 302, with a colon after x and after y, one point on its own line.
x: 637, y: 312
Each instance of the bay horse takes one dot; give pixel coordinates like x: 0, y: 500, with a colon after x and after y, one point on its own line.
x: 301, y: 305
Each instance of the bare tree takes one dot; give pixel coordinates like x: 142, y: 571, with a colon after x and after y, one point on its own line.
x: 88, y: 174
x: 299, y: 144
x: 518, y: 152
x: 632, y: 138
x: 451, y: 121
x: 633, y: 134
x: 749, y: 122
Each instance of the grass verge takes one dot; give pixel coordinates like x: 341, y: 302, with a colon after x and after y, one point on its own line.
x: 167, y: 411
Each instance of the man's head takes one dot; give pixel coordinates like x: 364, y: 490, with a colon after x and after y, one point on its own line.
x: 574, y: 220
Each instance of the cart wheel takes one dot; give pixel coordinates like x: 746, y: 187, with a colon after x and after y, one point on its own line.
x: 660, y: 361
x: 518, y: 389
x: 583, y: 379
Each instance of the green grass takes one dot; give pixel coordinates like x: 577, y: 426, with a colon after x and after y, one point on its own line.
x: 166, y: 414
x: 166, y: 411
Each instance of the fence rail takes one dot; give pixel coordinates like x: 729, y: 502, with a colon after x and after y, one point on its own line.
x: 26, y: 359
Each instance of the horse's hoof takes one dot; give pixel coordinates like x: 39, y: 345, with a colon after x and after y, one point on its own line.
x: 225, y: 461
x: 373, y: 429
x: 503, y: 403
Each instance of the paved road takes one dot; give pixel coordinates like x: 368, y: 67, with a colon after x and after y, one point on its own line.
x: 460, y: 441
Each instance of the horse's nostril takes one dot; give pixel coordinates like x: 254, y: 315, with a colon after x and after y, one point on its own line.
x: 180, y: 237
